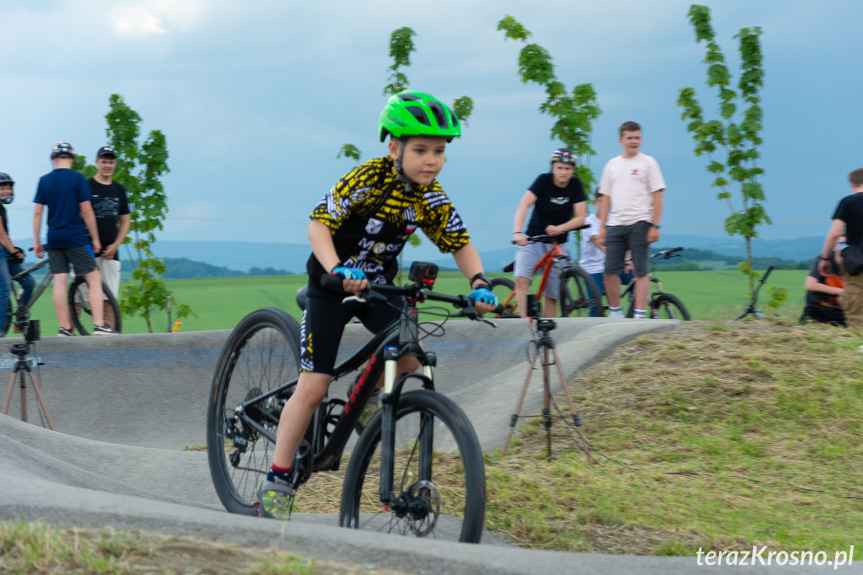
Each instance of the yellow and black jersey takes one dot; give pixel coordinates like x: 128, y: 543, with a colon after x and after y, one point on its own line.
x: 371, y: 217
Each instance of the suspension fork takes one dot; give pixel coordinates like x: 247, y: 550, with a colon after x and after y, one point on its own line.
x: 389, y: 406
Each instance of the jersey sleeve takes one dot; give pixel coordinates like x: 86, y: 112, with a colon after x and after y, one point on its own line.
x: 444, y: 227
x: 657, y: 182
x: 344, y: 198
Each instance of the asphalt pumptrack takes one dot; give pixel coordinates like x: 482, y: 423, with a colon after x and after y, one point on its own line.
x: 125, y: 407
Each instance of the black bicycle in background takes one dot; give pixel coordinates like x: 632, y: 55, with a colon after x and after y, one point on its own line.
x: 417, y: 459
x: 662, y: 305
x: 18, y: 311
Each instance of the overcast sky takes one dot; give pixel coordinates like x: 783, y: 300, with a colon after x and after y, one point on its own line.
x: 256, y: 98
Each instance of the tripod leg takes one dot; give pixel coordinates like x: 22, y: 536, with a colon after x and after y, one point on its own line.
x: 41, y: 401
x: 23, y: 398
x: 514, y: 418
x: 546, y: 401
x: 575, y: 418
x: 9, y: 395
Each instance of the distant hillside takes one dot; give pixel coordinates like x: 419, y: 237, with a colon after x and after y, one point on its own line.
x: 183, y: 268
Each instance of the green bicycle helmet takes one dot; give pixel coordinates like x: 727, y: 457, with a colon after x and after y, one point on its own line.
x: 412, y: 113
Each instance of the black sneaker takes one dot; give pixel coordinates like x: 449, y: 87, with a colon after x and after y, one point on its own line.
x: 66, y: 332
x: 104, y: 330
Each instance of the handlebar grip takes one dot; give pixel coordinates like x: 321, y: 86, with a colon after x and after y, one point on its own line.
x: 332, y: 281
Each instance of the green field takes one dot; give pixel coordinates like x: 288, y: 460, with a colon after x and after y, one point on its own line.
x: 220, y: 303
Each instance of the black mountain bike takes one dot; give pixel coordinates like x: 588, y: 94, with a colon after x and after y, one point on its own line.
x: 18, y: 312
x: 662, y: 305
x: 417, y: 459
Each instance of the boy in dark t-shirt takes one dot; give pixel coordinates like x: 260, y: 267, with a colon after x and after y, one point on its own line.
x: 822, y: 294
x: 111, y: 209
x: 848, y: 220
x: 559, y: 206
x: 357, y: 231
x: 67, y: 196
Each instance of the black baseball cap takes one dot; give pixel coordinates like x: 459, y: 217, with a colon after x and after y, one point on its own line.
x: 105, y: 152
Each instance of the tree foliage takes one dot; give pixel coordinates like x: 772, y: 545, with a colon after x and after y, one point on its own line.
x: 140, y: 167
x: 573, y: 112
x: 731, y: 141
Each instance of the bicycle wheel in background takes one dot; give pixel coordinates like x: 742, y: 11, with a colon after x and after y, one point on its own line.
x: 503, y: 288
x: 667, y: 306
x: 79, y: 307
x: 578, y: 294
x: 262, y: 353
x: 10, y: 307
x: 438, y: 477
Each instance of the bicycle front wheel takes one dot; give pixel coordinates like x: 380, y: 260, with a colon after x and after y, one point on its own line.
x: 504, y: 289
x: 667, y: 306
x: 262, y: 353
x: 579, y: 294
x: 438, y: 479
x: 79, y: 307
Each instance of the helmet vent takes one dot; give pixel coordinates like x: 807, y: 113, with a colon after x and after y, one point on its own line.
x: 420, y: 115
x: 439, y: 114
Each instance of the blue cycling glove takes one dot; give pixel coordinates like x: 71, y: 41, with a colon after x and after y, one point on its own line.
x: 483, y: 295
x: 349, y: 273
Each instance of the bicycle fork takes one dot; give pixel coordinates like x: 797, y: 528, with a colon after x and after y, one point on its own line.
x: 389, y: 406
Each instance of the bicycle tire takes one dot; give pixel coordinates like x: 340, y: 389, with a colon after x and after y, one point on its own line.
x: 502, y: 288
x: 79, y: 305
x: 262, y: 353
x: 9, y: 315
x: 460, y: 477
x: 668, y: 306
x: 577, y: 294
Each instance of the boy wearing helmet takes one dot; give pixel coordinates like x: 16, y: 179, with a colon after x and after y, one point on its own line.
x: 10, y: 256
x: 357, y: 231
x: 67, y: 196
x: 559, y: 207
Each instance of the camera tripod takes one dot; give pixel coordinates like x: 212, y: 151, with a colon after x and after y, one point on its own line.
x: 546, y: 347
x: 23, y: 365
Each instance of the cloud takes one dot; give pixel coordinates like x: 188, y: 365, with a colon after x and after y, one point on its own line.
x: 154, y: 17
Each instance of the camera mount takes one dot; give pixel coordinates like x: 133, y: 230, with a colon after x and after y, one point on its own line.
x: 21, y: 367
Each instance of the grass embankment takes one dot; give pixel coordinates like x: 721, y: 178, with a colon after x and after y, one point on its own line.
x: 719, y: 436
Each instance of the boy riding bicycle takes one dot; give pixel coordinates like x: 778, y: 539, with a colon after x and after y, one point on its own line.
x: 558, y: 202
x: 357, y: 231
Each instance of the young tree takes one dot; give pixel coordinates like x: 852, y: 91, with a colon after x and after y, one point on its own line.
x: 573, y: 113
x: 148, y: 206
x: 737, y: 132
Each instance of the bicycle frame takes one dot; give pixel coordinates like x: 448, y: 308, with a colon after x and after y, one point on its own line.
x: 549, y: 258
x: 21, y: 312
x: 382, y: 352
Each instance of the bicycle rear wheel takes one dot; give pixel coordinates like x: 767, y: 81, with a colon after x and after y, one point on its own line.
x: 438, y: 478
x: 262, y: 353
x: 79, y: 307
x: 504, y: 289
x: 579, y: 293
x: 667, y: 306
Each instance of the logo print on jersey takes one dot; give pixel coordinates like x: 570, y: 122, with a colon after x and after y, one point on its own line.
x: 374, y: 226
x: 558, y: 201
x: 635, y: 172
x: 379, y: 248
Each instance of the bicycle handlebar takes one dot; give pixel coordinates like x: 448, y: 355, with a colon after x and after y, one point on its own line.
x: 666, y: 254
x: 542, y: 239
x: 374, y: 293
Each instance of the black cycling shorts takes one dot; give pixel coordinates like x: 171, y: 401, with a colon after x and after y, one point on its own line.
x: 324, y: 321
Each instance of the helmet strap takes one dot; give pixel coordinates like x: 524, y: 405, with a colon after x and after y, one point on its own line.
x: 400, y: 174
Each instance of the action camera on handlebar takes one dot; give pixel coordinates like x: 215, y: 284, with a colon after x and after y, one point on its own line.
x: 423, y: 272
x: 534, y: 307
